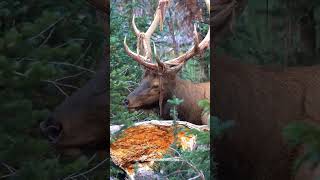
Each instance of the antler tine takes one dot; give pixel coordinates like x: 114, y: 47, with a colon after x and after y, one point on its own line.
x: 140, y: 59
x: 158, y: 18
x: 198, y: 47
x: 143, y: 42
x: 136, y: 30
x: 160, y: 64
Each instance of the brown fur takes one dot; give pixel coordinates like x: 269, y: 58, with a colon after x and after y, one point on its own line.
x: 148, y: 94
x: 82, y: 117
x: 101, y: 5
x: 262, y: 101
x: 191, y: 93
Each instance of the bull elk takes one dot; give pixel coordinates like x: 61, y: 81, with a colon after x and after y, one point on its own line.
x: 160, y: 81
x: 262, y: 101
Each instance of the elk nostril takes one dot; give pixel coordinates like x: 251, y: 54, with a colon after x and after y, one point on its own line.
x: 54, y: 132
x: 51, y: 129
x: 44, y: 124
x: 125, y: 102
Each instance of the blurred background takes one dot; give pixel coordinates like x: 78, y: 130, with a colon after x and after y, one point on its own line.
x: 48, y: 49
x: 274, y: 32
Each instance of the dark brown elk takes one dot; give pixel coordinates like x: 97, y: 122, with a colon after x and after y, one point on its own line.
x: 262, y: 101
x: 160, y: 81
x: 80, y: 121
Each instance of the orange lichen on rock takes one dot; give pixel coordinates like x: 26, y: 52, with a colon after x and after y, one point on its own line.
x: 144, y: 143
x: 141, y: 143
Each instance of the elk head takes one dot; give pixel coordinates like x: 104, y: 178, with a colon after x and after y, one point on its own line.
x: 161, y: 77
x: 80, y: 121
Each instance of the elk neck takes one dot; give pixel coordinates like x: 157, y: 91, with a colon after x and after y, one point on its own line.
x: 188, y: 91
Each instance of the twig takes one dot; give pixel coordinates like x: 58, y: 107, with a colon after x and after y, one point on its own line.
x: 11, y: 169
x: 8, y: 175
x: 180, y: 159
x: 60, y: 84
x: 49, y: 27
x: 65, y: 43
x: 59, y: 88
x: 56, y: 84
x: 84, y: 53
x: 176, y: 151
x: 20, y: 74
x: 86, y: 172
x: 72, y: 65
x: 92, y: 157
x: 58, y: 63
x: 197, y: 176
x: 197, y: 170
x: 71, y: 76
x: 48, y: 37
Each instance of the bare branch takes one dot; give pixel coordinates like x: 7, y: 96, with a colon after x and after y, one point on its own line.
x: 57, y: 63
x: 86, y: 172
x: 48, y: 28
x: 58, y: 87
x: 48, y: 37
x: 71, y: 76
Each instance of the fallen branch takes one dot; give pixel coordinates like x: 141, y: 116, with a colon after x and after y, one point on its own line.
x: 170, y: 123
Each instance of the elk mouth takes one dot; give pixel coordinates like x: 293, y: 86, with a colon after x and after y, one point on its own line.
x: 143, y: 107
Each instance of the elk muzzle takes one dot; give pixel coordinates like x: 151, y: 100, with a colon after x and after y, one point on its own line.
x: 51, y: 129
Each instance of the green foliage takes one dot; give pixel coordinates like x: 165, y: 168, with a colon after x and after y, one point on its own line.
x: 205, y: 105
x: 308, y: 135
x: 262, y: 34
x: 175, y: 101
x: 174, y: 113
x: 37, y: 39
x: 190, y: 163
x: 187, y: 164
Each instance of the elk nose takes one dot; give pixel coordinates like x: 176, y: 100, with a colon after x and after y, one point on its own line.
x: 125, y: 102
x: 51, y: 129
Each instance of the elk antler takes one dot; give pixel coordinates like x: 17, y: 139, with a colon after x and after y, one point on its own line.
x: 144, y: 47
x: 143, y: 44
